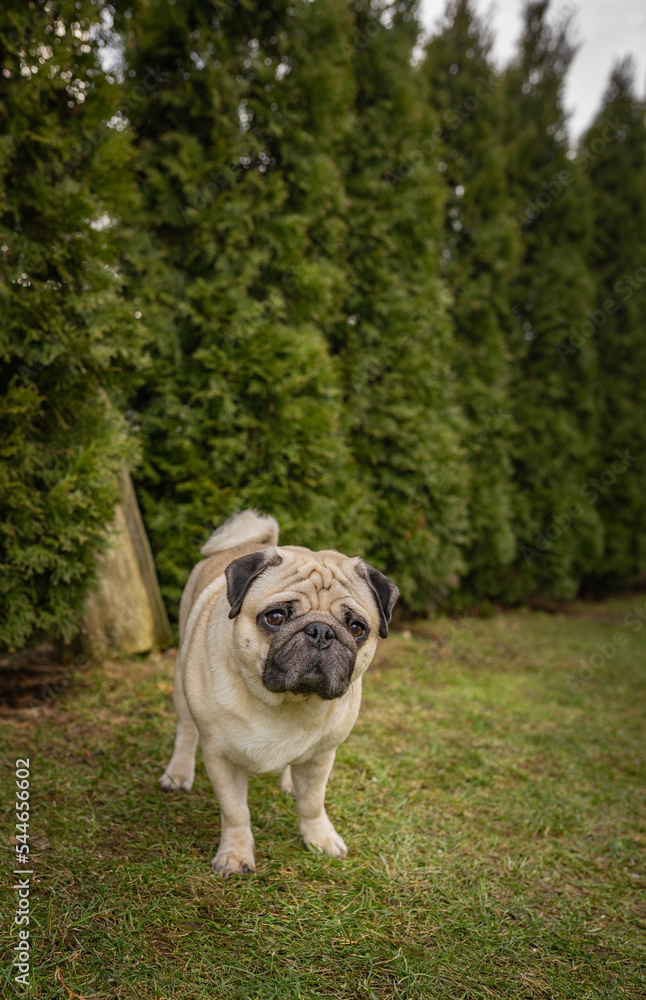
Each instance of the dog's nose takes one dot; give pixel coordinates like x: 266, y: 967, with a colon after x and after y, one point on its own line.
x: 320, y: 634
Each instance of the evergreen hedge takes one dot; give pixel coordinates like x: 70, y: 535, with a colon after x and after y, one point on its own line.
x: 237, y: 149
x: 554, y: 419
x: 612, y: 157
x: 275, y: 255
x: 481, y: 248
x: 69, y: 341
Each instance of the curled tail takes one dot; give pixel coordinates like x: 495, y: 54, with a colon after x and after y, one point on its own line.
x: 240, y: 529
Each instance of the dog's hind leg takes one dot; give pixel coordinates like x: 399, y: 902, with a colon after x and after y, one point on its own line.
x: 179, y: 775
x: 286, y: 783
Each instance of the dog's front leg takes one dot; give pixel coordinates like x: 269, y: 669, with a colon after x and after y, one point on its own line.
x: 230, y: 782
x: 316, y: 828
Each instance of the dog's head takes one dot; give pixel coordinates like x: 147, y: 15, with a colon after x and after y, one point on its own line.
x: 307, y: 622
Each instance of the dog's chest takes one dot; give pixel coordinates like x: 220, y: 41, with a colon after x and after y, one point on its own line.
x: 272, y: 744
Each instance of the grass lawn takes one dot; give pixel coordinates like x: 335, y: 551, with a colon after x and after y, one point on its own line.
x: 491, y: 794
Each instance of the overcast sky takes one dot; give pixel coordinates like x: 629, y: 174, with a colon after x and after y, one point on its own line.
x: 606, y: 29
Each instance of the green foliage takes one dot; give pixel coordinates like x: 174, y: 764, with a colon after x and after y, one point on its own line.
x: 67, y: 335
x: 612, y: 155
x: 480, y: 252
x: 554, y: 421
x: 393, y: 339
x: 237, y: 147
x: 263, y: 251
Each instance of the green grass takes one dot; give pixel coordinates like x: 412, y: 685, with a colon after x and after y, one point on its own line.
x: 492, y: 795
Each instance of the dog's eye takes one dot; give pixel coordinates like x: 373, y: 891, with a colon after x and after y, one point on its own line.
x: 356, y: 629
x: 275, y: 617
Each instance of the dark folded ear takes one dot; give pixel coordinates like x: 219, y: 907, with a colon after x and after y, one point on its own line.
x: 242, y: 571
x: 384, y: 591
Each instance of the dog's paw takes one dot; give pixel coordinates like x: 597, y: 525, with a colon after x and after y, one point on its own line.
x: 333, y: 845
x: 322, y: 837
x: 286, y: 783
x: 233, y: 863
x: 176, y: 782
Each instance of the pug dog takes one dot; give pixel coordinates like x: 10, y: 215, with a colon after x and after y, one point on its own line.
x: 274, y: 642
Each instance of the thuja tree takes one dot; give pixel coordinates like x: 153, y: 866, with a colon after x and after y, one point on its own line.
x: 236, y: 155
x: 479, y: 254
x: 553, y: 413
x: 67, y: 338
x: 613, y: 155
x: 394, y: 340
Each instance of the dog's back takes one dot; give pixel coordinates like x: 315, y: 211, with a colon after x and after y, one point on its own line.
x: 242, y: 533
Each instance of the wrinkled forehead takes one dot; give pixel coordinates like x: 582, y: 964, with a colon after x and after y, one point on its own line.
x: 318, y: 580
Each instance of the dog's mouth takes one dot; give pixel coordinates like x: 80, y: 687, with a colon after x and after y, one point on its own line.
x: 312, y: 661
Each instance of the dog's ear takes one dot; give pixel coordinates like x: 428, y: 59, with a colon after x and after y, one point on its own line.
x: 242, y: 571
x: 384, y: 591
